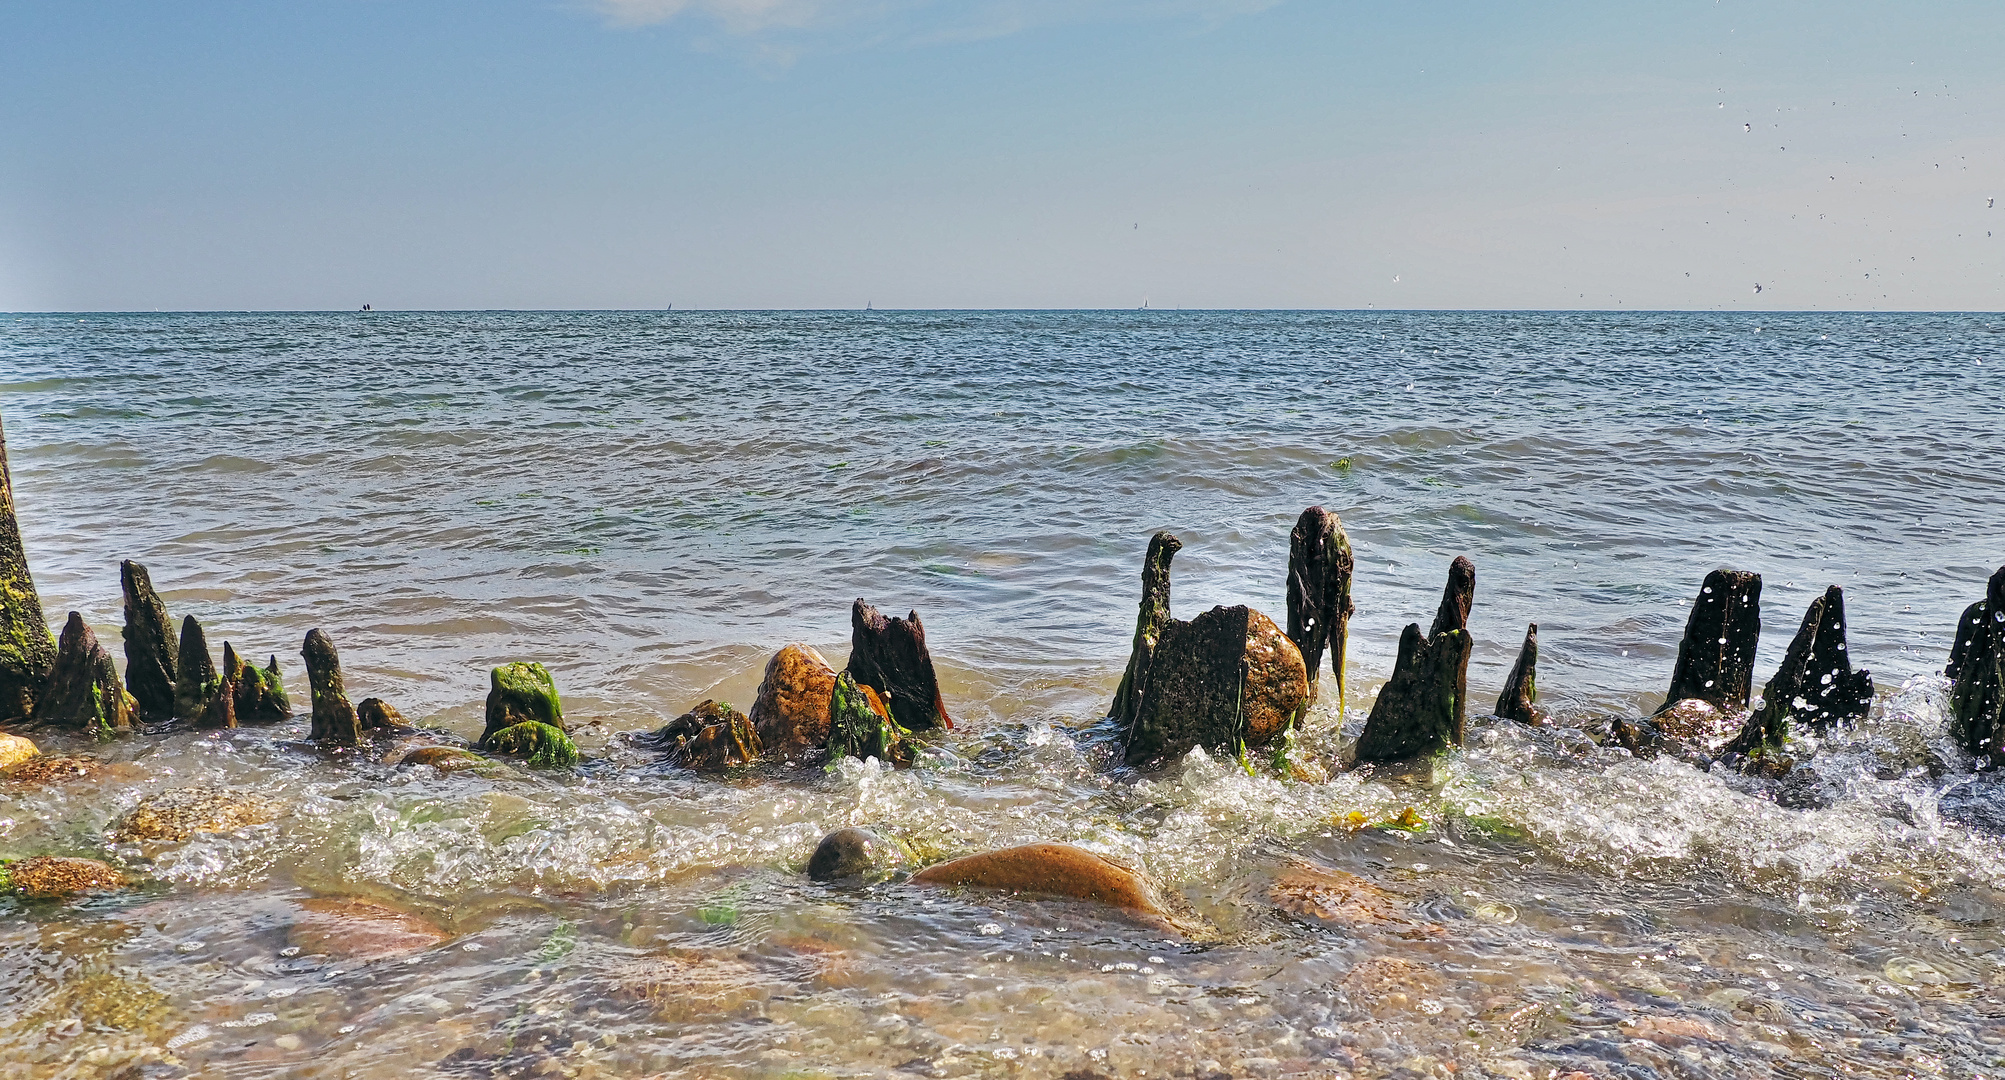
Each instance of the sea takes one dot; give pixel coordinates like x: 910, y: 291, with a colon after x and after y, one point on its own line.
x: 652, y: 503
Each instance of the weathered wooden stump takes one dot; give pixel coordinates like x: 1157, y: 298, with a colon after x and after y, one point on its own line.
x: 27, y: 649
x: 258, y: 696
x: 889, y: 655
x: 334, y: 720
x: 195, y: 679
x: 150, y: 653
x: 1977, y: 670
x: 221, y: 710
x: 1149, y: 623
x: 711, y: 737
x: 520, y: 693
x: 1519, y: 701
x: 1716, y: 657
x: 1319, y: 593
x: 1815, y: 686
x: 1423, y: 708
x: 83, y: 692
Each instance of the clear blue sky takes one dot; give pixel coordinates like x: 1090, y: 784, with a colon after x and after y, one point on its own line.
x: 1000, y: 153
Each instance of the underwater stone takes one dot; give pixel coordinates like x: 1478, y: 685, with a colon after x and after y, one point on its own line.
x: 1423, y: 708
x: 1319, y: 593
x: 360, y: 930
x: 1051, y: 870
x: 792, y: 710
x: 39, y: 769
x: 889, y: 655
x: 179, y: 813
x: 1519, y: 701
x: 1150, y: 621
x: 27, y: 649
x: 443, y: 758
x: 850, y: 852
x: 1716, y: 657
x: 1815, y: 685
x: 334, y: 720
x: 375, y: 714
x: 542, y: 745
x: 519, y: 693
x: 44, y: 877
x: 861, y: 726
x: 195, y: 678
x: 83, y: 692
x: 15, y: 749
x: 150, y: 652
x: 711, y: 737
x: 1977, y: 695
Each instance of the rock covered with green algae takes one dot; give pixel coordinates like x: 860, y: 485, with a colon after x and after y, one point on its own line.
x: 151, y: 656
x: 45, y: 877
x: 711, y: 737
x: 541, y: 744
x: 861, y: 725
x: 83, y: 692
x: 180, y: 813
x: 27, y: 649
x: 334, y: 720
x: 521, y: 692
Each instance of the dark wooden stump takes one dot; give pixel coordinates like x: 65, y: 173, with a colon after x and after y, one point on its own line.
x: 27, y: 649
x: 83, y: 692
x: 1149, y: 623
x: 1319, y: 593
x: 259, y: 695
x: 890, y: 657
x: 1423, y: 708
x: 711, y: 737
x: 150, y: 653
x: 1977, y: 695
x: 221, y: 711
x: 194, y: 673
x: 334, y: 720
x: 1716, y: 657
x: 1519, y: 700
x: 1815, y: 686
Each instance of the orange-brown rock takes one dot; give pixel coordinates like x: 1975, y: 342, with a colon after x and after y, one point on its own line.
x: 1052, y: 870
x: 54, y: 770
x: 792, y: 709
x: 359, y: 930
x: 443, y: 758
x: 46, y: 876
x: 1333, y: 896
x: 15, y: 749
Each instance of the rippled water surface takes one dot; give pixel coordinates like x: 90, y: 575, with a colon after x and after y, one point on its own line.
x: 652, y: 503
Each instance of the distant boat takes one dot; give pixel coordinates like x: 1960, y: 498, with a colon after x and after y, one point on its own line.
x: 367, y: 307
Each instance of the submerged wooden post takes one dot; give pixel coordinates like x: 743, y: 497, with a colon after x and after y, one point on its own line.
x: 83, y: 692
x: 1423, y: 708
x: 150, y: 654
x: 889, y: 655
x: 27, y: 649
x: 1814, y: 686
x: 1319, y: 593
x: 1521, y: 691
x: 1149, y: 622
x: 1716, y: 657
x: 334, y: 722
x: 194, y: 673
x: 1977, y: 670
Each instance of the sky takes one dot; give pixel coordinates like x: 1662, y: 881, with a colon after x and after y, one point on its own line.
x: 455, y: 154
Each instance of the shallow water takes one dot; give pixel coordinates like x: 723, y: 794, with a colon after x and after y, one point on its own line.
x: 652, y: 503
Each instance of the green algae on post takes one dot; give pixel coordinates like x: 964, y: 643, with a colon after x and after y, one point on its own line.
x: 520, y: 692
x: 860, y: 726
x: 334, y: 722
x: 543, y: 745
x: 27, y: 649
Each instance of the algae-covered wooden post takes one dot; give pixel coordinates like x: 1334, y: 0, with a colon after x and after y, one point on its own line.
x: 1319, y: 593
x: 1977, y: 672
x: 1519, y: 701
x: 27, y: 649
x: 259, y: 696
x: 1716, y: 657
x: 1149, y: 623
x: 861, y: 726
x: 889, y: 655
x: 195, y: 678
x: 83, y: 692
x: 1815, y: 686
x: 1423, y: 707
x: 150, y: 654
x: 334, y: 722
x: 521, y: 693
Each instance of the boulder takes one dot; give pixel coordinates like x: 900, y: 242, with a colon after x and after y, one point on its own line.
x: 1519, y: 701
x: 83, y: 692
x: 861, y: 725
x: 519, y: 693
x: 851, y: 852
x: 1977, y: 672
x: 176, y: 814
x: 1052, y: 870
x: 49, y: 876
x: 16, y: 750
x: 1319, y: 593
x: 889, y: 655
x: 1333, y: 896
x: 541, y: 744
x: 792, y: 709
x: 360, y: 930
x: 195, y: 677
x: 150, y: 652
x: 444, y: 758
x: 334, y: 719
x: 1815, y: 686
x: 1716, y: 656
x: 42, y: 769
x: 27, y: 649
x: 375, y: 714
x: 1422, y: 709
x: 711, y: 737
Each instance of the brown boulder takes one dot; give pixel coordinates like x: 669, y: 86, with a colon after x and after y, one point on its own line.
x: 1052, y: 870
x: 15, y: 749
x: 1333, y: 896
x: 46, y: 876
x: 359, y: 930
x: 792, y: 710
x: 1229, y: 676
x: 443, y: 758
x: 1694, y: 721
x: 54, y: 770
